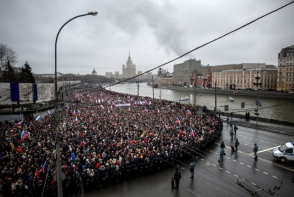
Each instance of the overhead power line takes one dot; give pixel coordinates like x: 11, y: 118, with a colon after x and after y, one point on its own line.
x: 206, y: 43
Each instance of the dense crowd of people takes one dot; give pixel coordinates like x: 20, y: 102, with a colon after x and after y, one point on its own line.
x: 106, y: 138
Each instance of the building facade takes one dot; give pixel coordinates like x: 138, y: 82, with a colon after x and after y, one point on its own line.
x: 129, y: 70
x: 285, y: 79
x: 182, y: 72
x: 250, y: 78
x: 200, y: 81
x: 108, y: 75
x: 218, y: 68
x: 116, y: 74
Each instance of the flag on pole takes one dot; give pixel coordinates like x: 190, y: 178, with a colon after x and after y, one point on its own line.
x: 129, y: 109
x: 177, y: 120
x: 189, y: 113
x: 146, y: 110
x: 44, y: 167
x: 102, y: 107
x: 19, y: 124
x: 77, y: 119
x: 23, y: 135
x: 192, y: 132
x: 48, y: 112
x: 38, y: 119
x: 157, y: 111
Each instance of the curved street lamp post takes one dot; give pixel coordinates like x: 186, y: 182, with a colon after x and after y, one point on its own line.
x: 57, y: 140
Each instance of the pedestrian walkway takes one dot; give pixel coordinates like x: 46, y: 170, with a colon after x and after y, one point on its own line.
x: 259, y: 125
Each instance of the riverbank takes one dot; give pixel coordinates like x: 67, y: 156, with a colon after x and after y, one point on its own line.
x: 241, y: 93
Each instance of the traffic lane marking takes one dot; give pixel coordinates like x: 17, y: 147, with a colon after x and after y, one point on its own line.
x: 265, y: 150
x: 270, y: 162
x: 229, y: 172
x: 265, y: 160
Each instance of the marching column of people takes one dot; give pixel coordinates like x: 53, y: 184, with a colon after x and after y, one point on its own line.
x: 107, y: 137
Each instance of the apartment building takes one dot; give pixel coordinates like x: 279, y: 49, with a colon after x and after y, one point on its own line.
x: 182, y: 72
x: 285, y: 79
x: 253, y: 78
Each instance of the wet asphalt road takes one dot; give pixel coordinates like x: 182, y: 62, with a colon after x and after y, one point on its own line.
x: 214, y: 179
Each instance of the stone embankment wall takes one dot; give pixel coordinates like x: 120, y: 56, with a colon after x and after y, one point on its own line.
x: 261, y: 94
x: 253, y: 117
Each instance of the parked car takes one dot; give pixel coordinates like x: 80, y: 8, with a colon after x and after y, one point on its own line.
x: 285, y: 152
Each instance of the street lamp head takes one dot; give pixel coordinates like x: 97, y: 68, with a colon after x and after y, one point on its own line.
x: 92, y: 13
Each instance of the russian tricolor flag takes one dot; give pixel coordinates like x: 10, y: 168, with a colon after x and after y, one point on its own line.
x: 44, y: 167
x: 23, y: 135
x: 177, y: 120
x: 192, y: 132
x: 19, y: 124
x: 157, y: 111
x: 38, y: 119
x: 189, y: 113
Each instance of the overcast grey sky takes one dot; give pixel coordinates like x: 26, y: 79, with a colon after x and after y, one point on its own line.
x: 154, y: 31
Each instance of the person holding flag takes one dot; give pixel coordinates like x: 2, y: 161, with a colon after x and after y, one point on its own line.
x: 177, y: 120
x: 189, y: 113
x: 38, y: 119
x: 192, y: 132
x: 23, y: 135
x: 44, y: 167
x: 19, y: 124
x: 157, y: 111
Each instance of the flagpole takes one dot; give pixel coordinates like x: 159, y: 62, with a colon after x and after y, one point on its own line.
x: 152, y: 87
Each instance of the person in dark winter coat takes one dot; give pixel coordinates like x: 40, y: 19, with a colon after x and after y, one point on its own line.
x: 221, y: 154
x: 177, y: 177
x: 255, y: 149
x: 235, y: 129
x: 237, y: 144
x: 191, y: 169
x: 172, y: 183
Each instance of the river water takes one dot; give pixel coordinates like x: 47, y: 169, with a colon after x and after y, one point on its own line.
x: 277, y: 109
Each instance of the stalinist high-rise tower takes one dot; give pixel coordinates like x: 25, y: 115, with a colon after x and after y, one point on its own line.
x: 129, y: 70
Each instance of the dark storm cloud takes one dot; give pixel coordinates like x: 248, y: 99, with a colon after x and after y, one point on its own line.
x: 159, y: 17
x: 153, y: 31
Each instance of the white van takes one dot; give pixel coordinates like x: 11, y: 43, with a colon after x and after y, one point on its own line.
x: 285, y: 152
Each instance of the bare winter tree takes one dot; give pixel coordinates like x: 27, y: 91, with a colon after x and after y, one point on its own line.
x: 7, y: 54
